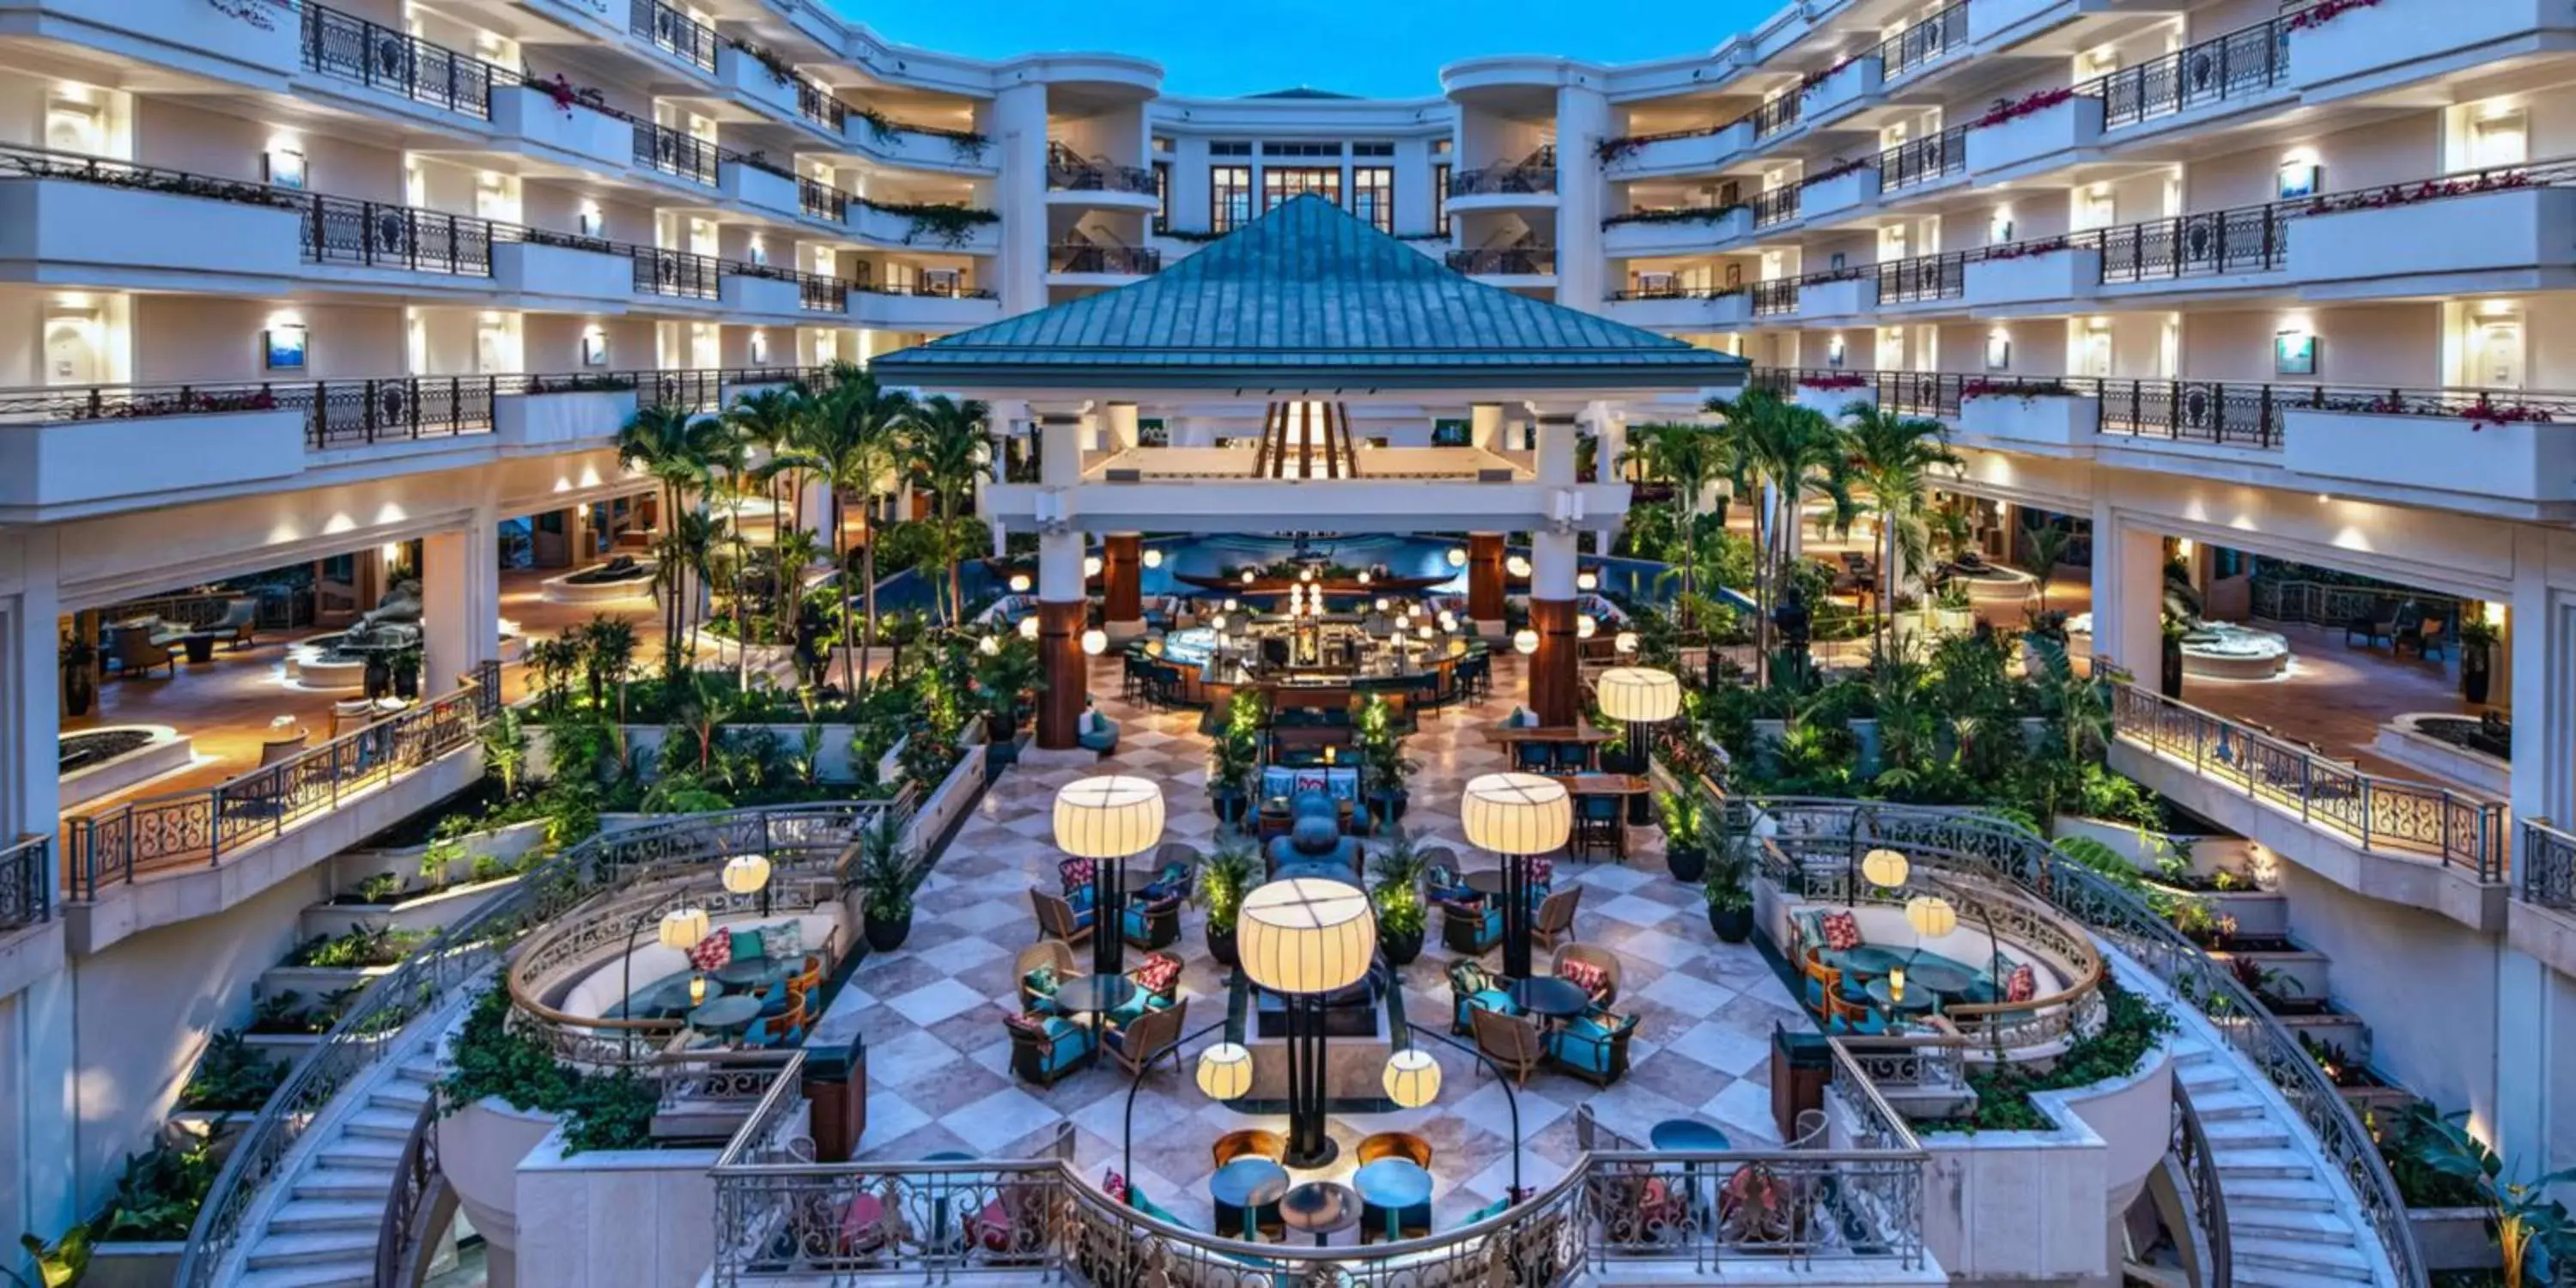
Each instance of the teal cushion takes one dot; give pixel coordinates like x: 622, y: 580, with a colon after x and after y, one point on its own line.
x: 1495, y: 999
x: 1041, y: 981
x: 1566, y: 1047
x: 1137, y: 1200
x: 747, y: 944
x: 1490, y: 1210
x: 1133, y: 1007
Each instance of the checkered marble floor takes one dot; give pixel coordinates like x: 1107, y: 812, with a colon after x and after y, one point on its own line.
x: 939, y: 1060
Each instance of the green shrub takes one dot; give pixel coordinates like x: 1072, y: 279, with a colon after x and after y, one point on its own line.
x: 599, y: 1111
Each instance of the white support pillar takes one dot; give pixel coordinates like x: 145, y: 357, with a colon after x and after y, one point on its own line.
x: 1119, y: 427
x: 1485, y: 426
x: 1020, y: 127
x: 1060, y: 436
x: 1609, y: 443
x: 1582, y: 121
x: 1553, y: 560
x: 39, y: 1181
x: 1556, y: 435
x: 460, y: 601
x: 2128, y: 593
x: 2534, y: 1002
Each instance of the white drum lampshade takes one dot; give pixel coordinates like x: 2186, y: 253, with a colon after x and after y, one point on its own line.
x: 1586, y: 626
x: 1457, y: 556
x: 1095, y: 641
x: 1516, y: 813
x: 1307, y: 935
x: 1029, y: 627
x: 1931, y: 916
x: 1517, y: 566
x: 682, y: 928
x: 1225, y: 1071
x: 1886, y: 869
x: 746, y: 873
x: 1109, y: 816
x: 1525, y: 641
x: 1639, y: 694
x: 1412, y: 1078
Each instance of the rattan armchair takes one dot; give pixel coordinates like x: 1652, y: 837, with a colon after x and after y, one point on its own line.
x: 1602, y: 959
x: 1147, y: 1038
x: 1046, y: 952
x: 1056, y: 918
x: 1555, y: 919
x: 1512, y: 1042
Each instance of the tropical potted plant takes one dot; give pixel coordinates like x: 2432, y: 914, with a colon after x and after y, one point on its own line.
x: 1003, y: 676
x: 1223, y: 881
x: 1730, y: 898
x: 891, y: 877
x: 1952, y: 610
x: 2477, y: 658
x: 404, y: 670
x: 2169, y: 660
x: 1382, y: 761
x: 1685, y: 835
x: 1233, y: 755
x: 2532, y: 1230
x: 1395, y: 886
x: 80, y: 675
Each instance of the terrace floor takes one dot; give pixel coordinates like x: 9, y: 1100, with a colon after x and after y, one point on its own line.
x: 939, y: 1059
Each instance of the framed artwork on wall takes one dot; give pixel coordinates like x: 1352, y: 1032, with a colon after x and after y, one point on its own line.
x: 2294, y: 353
x: 2297, y: 179
x: 283, y: 348
x: 284, y: 168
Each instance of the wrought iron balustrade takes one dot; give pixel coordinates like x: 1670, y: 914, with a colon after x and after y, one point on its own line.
x: 1777, y: 115
x: 1535, y: 175
x: 1070, y: 171
x: 26, y: 881
x: 1505, y: 261
x: 678, y: 274
x: 379, y: 57
x: 2236, y: 65
x: 1084, y: 257
x: 2251, y: 239
x: 1778, y: 206
x: 1920, y: 161
x: 2548, y: 864
x: 338, y: 230
x: 1773, y: 298
x: 1923, y: 278
x: 1919, y: 44
x: 674, y: 33
x: 672, y: 152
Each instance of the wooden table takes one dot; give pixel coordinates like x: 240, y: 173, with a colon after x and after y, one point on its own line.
x: 1548, y: 733
x: 1607, y: 785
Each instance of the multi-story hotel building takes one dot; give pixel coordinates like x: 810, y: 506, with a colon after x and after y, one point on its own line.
x: 334, y: 296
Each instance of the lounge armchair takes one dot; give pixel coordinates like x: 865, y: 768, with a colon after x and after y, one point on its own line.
x: 1151, y: 925
x: 1472, y: 986
x: 1148, y: 1037
x: 1587, y: 957
x: 1058, y: 919
x: 1470, y: 927
x: 1096, y: 732
x: 1593, y: 1047
x: 1251, y: 1142
x: 1314, y: 846
x: 1045, y: 1047
x: 136, y: 654
x: 1512, y: 1042
x: 1157, y: 979
x: 241, y: 617
x: 1052, y: 956
x: 1555, y: 918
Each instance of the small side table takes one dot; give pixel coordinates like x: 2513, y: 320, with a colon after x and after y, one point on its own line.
x: 1320, y: 1208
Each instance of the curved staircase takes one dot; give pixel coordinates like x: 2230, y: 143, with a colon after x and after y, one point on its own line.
x: 324, y: 1234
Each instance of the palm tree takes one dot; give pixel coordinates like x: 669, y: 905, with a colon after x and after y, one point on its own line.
x: 1791, y: 453
x: 688, y: 562
x: 1893, y: 456
x: 851, y: 441
x: 767, y: 419
x: 1690, y: 457
x: 947, y: 448
x: 732, y: 454
x: 673, y: 445
x: 2040, y: 555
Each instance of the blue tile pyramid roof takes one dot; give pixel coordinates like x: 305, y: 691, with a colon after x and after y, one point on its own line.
x: 1309, y: 296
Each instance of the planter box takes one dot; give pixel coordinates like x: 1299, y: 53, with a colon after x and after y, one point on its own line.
x: 589, y: 418
x: 644, y: 745
x: 133, y: 1265
x: 1850, y: 298
x: 426, y: 912
x: 753, y: 186
x: 1693, y: 154
x: 1841, y: 193
x: 2443, y: 760
x: 314, y: 983
x: 2517, y: 231
x: 2454, y: 1239
x: 748, y: 78
x: 2039, y: 140
x: 68, y: 223
x: 1676, y: 236
x: 82, y: 462
x: 1858, y: 79
x: 2046, y: 278
x: 479, y: 1148
x: 927, y: 151
x: 639, y: 1218
x: 2520, y: 462
x: 2397, y: 40
x: 955, y: 794
x: 536, y: 269
x: 742, y: 293
x: 594, y: 139
x: 2057, y: 422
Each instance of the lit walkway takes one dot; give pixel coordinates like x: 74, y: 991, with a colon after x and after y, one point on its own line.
x: 939, y: 1060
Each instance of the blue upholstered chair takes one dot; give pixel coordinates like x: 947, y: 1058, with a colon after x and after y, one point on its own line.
x: 1046, y: 1047
x: 1096, y: 732
x: 1593, y: 1047
x: 1471, y: 986
x: 1470, y: 926
x: 1314, y: 840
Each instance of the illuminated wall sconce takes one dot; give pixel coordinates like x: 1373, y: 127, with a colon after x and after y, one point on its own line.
x: 1999, y: 226
x: 1999, y: 351
x: 590, y: 220
x: 594, y: 348
x: 760, y: 348
x: 1834, y: 351
x: 759, y: 250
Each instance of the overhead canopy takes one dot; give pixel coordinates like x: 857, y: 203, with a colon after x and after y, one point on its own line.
x: 1308, y: 296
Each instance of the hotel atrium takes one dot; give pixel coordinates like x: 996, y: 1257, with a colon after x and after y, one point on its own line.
x: 1925, y: 643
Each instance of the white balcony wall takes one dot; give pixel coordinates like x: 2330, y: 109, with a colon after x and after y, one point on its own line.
x: 1691, y: 155
x: 83, y: 462
x: 2061, y: 423
x: 1677, y: 237
x: 887, y: 229
x: 1838, y: 93
x: 1838, y: 195
x: 60, y: 227
x: 544, y: 421
x: 1847, y: 298
x: 753, y: 186
x: 186, y: 32
x: 745, y: 75
x: 2515, y: 462
x: 561, y: 271
x: 747, y: 294
x: 921, y: 312
x: 2379, y: 44
x: 1723, y: 313
x: 2517, y: 231
x: 2060, y: 275
x: 2048, y: 137
x: 589, y: 139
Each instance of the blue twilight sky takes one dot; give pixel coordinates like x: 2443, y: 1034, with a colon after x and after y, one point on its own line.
x: 1372, y: 48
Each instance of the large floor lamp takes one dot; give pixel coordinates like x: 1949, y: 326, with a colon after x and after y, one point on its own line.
x: 1304, y: 939
x: 1638, y: 697
x: 1105, y: 819
x: 1517, y: 816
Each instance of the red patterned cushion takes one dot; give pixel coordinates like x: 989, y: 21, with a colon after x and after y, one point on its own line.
x: 1593, y: 980
x: 1542, y: 871
x: 712, y: 952
x: 1031, y: 1023
x: 1077, y: 873
x: 1841, y: 932
x: 1311, y: 780
x: 2022, y: 985
x: 1157, y: 973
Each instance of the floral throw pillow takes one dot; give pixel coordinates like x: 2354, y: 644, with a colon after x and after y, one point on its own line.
x: 712, y: 952
x: 2022, y: 985
x: 1593, y: 980
x: 784, y: 942
x: 1158, y: 973
x: 1842, y: 934
x: 1113, y: 1185
x: 1077, y: 873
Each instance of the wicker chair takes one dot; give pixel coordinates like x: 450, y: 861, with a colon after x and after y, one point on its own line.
x: 1252, y: 1142
x: 1395, y: 1144
x: 1046, y: 952
x: 1511, y: 1041
x: 1148, y: 1037
x: 1057, y: 920
x: 1606, y: 961
x: 136, y: 654
x: 1555, y: 919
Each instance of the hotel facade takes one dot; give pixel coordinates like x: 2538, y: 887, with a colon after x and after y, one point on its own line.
x: 362, y: 293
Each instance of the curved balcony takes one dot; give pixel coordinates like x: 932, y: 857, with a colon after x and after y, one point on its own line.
x: 1675, y: 309
x: 1677, y: 152
x: 1529, y: 182
x: 1078, y: 261
x: 1507, y: 265
x: 1682, y: 231
x: 923, y: 308
x: 1097, y: 182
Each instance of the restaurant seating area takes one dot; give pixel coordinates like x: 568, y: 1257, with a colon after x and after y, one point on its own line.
x: 1866, y: 969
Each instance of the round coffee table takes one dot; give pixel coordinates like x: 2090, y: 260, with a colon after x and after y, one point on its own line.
x: 1391, y: 1185
x: 1320, y: 1208
x: 1938, y: 975
x: 1916, y: 999
x: 726, y: 1016
x: 1242, y: 1188
x: 1872, y: 959
x: 1484, y: 881
x: 747, y: 972
x: 1687, y: 1136
x: 1094, y: 994
x: 1549, y: 996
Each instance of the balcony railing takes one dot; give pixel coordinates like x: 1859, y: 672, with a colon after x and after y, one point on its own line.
x: 1676, y: 293
x: 820, y: 106
x: 110, y: 846
x: 816, y: 293
x: 2378, y: 814
x: 677, y: 274
x: 2548, y: 865
x: 674, y: 33
x: 1773, y: 298
x: 822, y: 200
x: 2236, y: 65
x: 1086, y: 258
x: 927, y: 290
x: 678, y: 154
x: 1777, y: 115
x: 26, y: 881
x: 1070, y: 171
x: 338, y: 230
x: 352, y: 48
x: 1923, y: 42
x: 2316, y: 603
x: 1923, y: 278
x: 1534, y: 175
x: 2251, y: 239
x: 1504, y: 261
x: 1920, y: 161
x: 1778, y: 206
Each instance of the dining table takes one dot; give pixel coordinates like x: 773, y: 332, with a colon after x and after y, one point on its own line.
x: 726, y: 1016
x: 1243, y: 1188
x: 1320, y: 1208
x: 1390, y: 1186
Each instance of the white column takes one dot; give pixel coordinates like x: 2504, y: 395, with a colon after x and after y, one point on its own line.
x: 1060, y: 579
x: 815, y: 498
x: 1119, y: 427
x: 1582, y: 121
x: 1020, y: 129
x: 1556, y: 434
x: 1485, y: 426
x: 2530, y: 998
x: 1609, y: 443
x: 460, y: 601
x: 1553, y: 556
x: 1060, y: 437
x: 2128, y: 594
x: 40, y: 1183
